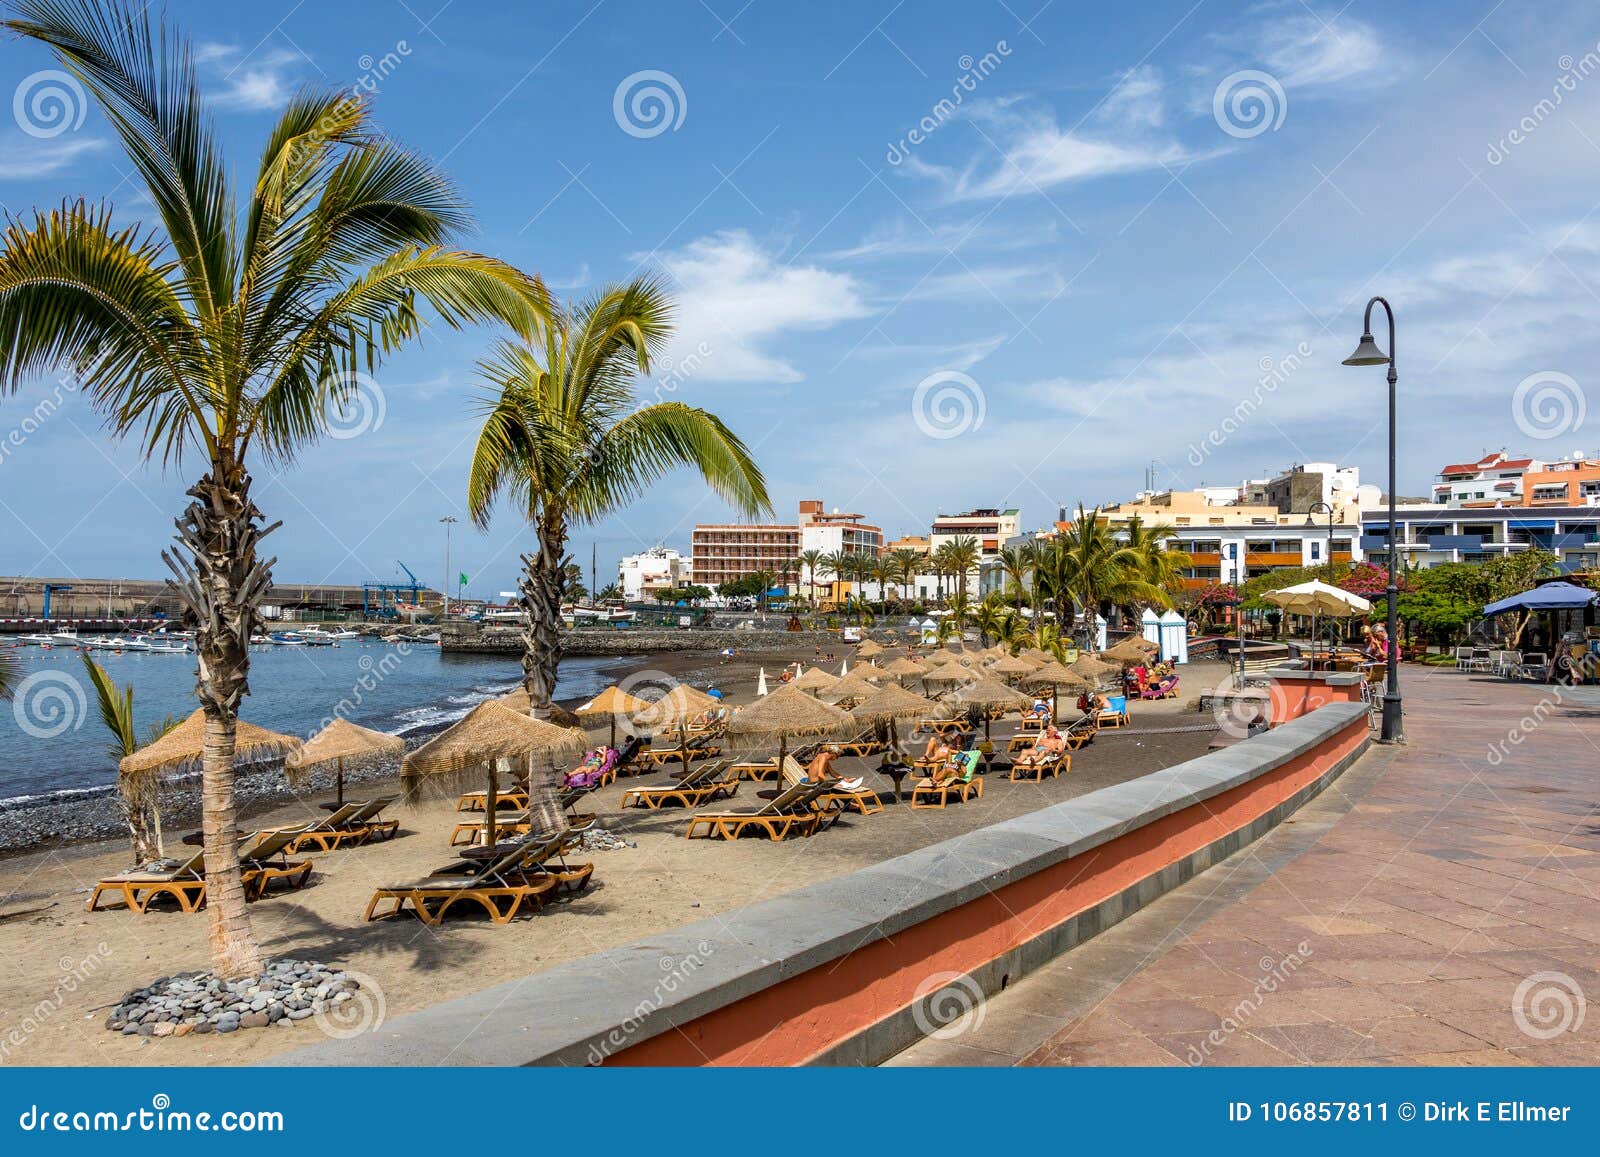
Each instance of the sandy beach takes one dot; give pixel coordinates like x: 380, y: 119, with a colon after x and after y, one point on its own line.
x: 67, y: 966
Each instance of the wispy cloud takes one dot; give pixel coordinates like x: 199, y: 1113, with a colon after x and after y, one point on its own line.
x: 24, y: 158
x: 261, y: 82
x: 740, y: 299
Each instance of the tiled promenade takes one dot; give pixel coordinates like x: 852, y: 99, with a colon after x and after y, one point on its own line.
x: 1437, y: 906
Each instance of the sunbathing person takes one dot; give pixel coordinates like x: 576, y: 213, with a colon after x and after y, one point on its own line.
x: 1049, y: 744
x: 937, y: 748
x: 959, y: 768
x: 820, y: 770
x: 593, y: 769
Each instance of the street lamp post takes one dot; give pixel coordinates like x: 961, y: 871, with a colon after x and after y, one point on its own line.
x: 1368, y: 354
x: 444, y: 591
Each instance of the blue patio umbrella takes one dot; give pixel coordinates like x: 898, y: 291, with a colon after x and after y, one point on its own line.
x: 1549, y: 597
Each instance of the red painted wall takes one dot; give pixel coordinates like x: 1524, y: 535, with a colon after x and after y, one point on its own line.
x: 799, y: 1019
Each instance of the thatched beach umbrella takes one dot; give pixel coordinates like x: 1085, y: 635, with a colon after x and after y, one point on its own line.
x: 889, y: 705
x: 1092, y: 668
x: 869, y: 649
x: 815, y: 679
x: 476, y: 743
x: 948, y: 673
x: 611, y: 703
x: 520, y: 702
x: 1011, y: 667
x: 184, y: 747
x: 853, y: 687
x: 1130, y: 652
x: 985, y: 694
x: 905, y: 667
x: 341, y: 743
x: 1055, y: 677
x: 1038, y: 655
x: 680, y: 704
x: 787, y: 712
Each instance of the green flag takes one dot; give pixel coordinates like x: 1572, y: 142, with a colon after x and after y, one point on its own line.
x: 462, y: 580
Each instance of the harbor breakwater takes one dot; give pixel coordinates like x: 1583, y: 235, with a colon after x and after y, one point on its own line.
x: 473, y: 639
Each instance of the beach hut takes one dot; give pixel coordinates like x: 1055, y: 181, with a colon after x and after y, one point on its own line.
x: 611, y: 704
x: 477, y: 744
x: 1150, y: 627
x: 1099, y: 632
x: 1174, y: 638
x: 342, y: 744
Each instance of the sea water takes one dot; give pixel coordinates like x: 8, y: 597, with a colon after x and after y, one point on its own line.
x: 52, y: 739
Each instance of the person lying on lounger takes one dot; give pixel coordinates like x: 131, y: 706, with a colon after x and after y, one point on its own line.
x: 1047, y: 746
x: 1040, y: 709
x: 593, y: 768
x: 959, y: 768
x: 820, y: 770
x: 937, y: 748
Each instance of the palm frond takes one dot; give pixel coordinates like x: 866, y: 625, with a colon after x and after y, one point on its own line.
x: 116, y: 709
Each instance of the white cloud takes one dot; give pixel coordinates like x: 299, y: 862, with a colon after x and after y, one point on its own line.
x: 260, y: 82
x: 1303, y: 50
x: 739, y: 300
x: 23, y: 158
x: 990, y: 282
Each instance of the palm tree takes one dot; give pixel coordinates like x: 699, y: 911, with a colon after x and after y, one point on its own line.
x: 1161, y: 567
x: 766, y: 578
x: 882, y: 572
x: 831, y: 565
x: 1090, y: 566
x: 1016, y: 562
x: 961, y: 558
x: 233, y: 331
x: 139, y: 794
x: 991, y: 616
x: 566, y: 440
x: 809, y: 561
x: 960, y: 607
x: 906, y: 564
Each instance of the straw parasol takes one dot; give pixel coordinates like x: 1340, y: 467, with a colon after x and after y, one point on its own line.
x: 487, y: 734
x: 984, y: 694
x: 1038, y: 655
x: 788, y: 711
x: 1130, y: 652
x: 341, y: 743
x: 680, y: 704
x: 522, y: 703
x: 852, y: 686
x: 1091, y: 668
x: 948, y: 673
x: 889, y: 705
x: 905, y: 668
x: 1012, y: 666
x: 869, y: 649
x: 1055, y: 677
x: 609, y: 704
x: 815, y: 679
x: 184, y: 746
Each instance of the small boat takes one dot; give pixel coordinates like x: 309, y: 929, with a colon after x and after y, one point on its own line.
x: 118, y: 643
x: 414, y: 638
x: 159, y: 646
x: 66, y: 638
x: 312, y: 637
x: 286, y: 639
x: 37, y: 640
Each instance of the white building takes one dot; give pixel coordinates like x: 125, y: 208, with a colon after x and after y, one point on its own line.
x: 990, y: 527
x: 659, y: 568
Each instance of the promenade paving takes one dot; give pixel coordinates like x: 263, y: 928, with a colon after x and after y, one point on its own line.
x: 1436, y: 906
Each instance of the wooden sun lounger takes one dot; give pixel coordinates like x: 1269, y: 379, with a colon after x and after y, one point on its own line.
x: 500, y: 888
x: 538, y: 852
x: 703, y: 784
x: 1111, y: 717
x: 944, y: 728
x: 186, y: 884
x: 792, y: 811
x: 353, y: 823
x: 471, y: 833
x: 265, y: 861
x: 867, y: 743
x: 655, y: 757
x: 863, y: 799
x: 476, y: 801
x: 938, y: 795
x: 1051, y: 764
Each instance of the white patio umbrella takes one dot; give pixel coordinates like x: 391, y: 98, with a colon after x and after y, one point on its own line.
x: 761, y: 683
x: 1316, y: 597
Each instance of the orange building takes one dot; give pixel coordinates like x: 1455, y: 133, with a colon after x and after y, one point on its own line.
x: 1574, y: 482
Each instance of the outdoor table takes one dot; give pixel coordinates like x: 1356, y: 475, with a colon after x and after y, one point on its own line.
x: 896, y: 772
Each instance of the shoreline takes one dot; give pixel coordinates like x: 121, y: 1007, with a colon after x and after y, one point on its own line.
x: 86, y: 816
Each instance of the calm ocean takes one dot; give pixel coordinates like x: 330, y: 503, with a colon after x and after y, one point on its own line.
x: 52, y: 739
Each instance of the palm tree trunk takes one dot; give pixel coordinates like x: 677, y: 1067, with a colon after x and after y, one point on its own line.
x: 542, y: 585
x: 221, y: 582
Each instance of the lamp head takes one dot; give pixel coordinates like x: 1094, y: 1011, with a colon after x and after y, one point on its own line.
x: 1367, y: 353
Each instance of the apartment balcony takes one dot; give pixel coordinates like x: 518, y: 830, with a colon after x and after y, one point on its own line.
x: 1455, y: 542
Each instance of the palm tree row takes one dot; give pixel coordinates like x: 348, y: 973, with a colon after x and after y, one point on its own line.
x: 233, y: 331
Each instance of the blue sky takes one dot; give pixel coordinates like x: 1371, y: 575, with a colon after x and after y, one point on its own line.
x: 1082, y: 267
